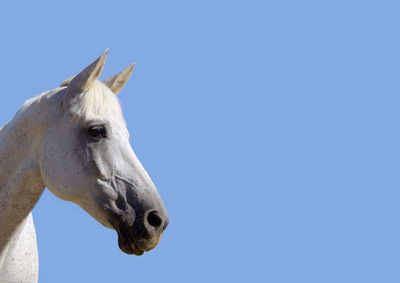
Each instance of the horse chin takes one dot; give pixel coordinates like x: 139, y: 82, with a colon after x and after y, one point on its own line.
x: 128, y: 248
x: 126, y: 243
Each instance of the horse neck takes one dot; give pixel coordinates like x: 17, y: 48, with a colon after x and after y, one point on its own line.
x: 20, y: 180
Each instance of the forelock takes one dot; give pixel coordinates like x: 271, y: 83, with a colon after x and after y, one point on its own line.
x: 99, y: 102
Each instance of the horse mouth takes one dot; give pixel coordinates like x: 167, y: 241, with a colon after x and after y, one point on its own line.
x: 126, y: 242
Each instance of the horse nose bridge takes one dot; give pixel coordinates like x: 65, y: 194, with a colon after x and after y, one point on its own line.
x: 137, y: 169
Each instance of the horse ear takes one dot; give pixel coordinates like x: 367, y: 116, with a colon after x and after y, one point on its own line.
x: 86, y: 78
x: 117, y: 82
x: 66, y: 82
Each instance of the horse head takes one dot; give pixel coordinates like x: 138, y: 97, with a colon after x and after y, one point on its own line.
x: 86, y: 158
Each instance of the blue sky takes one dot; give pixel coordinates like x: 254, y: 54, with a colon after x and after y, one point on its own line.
x: 270, y: 129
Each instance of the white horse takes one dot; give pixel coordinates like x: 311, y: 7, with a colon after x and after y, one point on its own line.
x: 73, y: 140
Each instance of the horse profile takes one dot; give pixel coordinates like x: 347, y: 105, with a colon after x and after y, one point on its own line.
x: 74, y: 141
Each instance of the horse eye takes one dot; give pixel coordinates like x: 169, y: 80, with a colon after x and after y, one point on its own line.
x: 97, y: 132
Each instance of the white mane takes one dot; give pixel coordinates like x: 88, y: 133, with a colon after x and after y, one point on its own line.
x: 96, y: 102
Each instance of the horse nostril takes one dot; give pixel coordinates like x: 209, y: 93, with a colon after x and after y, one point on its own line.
x: 154, y: 219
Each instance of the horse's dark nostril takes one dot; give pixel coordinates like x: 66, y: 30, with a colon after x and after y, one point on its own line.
x: 154, y: 219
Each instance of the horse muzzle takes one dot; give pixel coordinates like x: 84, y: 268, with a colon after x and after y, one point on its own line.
x: 143, y: 235
x: 136, y: 213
